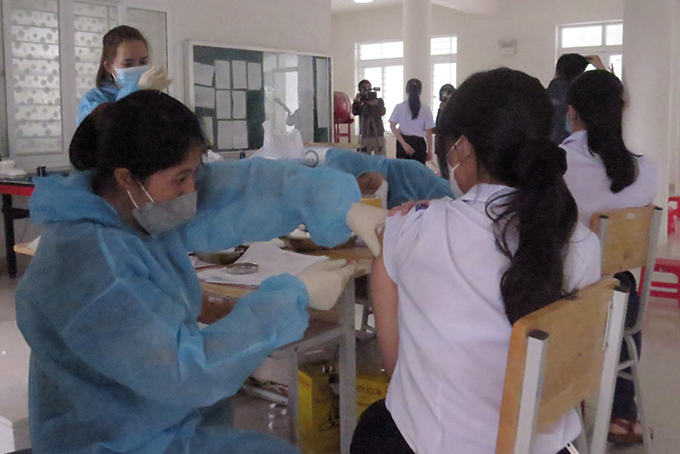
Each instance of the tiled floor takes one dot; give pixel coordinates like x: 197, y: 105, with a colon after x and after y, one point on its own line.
x: 660, y: 371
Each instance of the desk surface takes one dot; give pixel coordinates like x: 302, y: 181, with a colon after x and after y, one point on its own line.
x: 27, y: 180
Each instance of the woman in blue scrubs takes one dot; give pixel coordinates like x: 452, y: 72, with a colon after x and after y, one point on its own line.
x: 124, y: 69
x: 110, y: 301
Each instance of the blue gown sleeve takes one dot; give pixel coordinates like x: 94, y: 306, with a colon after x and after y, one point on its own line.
x: 126, y: 90
x: 97, y: 96
x: 259, y: 199
x: 354, y: 162
x: 132, y: 333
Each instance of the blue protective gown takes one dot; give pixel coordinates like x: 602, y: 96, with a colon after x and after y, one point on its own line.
x: 100, y: 95
x: 406, y: 179
x: 118, y: 363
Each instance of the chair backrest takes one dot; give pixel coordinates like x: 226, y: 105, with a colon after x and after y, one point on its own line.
x: 558, y: 356
x: 629, y: 239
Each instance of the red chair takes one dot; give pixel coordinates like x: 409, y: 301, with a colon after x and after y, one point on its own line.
x: 661, y: 289
x: 342, y: 115
x: 673, y: 212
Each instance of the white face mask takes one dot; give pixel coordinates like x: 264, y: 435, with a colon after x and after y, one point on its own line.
x: 457, y: 191
x: 158, y: 217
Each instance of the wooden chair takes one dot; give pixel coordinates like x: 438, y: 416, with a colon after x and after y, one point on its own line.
x: 559, y: 355
x: 629, y: 238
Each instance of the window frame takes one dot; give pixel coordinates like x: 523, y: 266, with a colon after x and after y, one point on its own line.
x: 67, y: 73
x: 604, y: 51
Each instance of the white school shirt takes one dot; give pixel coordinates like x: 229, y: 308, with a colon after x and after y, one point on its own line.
x: 409, y: 126
x: 446, y: 391
x: 587, y: 180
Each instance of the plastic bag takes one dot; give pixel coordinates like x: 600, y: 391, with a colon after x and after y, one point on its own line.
x: 281, y: 145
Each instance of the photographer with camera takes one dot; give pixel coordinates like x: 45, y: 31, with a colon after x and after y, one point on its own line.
x: 370, y: 110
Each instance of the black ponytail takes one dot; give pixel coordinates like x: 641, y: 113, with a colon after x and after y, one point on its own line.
x: 507, y: 117
x: 597, y: 98
x: 413, y: 88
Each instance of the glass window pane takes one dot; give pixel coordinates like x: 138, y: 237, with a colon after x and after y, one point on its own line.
x: 616, y: 61
x: 614, y: 35
x: 370, y: 51
x: 393, y: 50
x: 91, y: 22
x: 441, y: 46
x: 373, y: 75
x: 36, y: 81
x: 393, y: 89
x: 153, y: 25
x: 586, y: 36
x: 442, y: 73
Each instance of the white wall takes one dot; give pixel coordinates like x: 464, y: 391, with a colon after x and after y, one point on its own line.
x: 296, y: 25
x: 532, y: 23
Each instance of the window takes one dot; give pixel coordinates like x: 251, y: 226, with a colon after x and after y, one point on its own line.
x: 52, y: 51
x: 604, y: 39
x: 383, y: 65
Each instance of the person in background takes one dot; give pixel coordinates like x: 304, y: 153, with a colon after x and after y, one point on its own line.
x: 109, y: 303
x: 405, y: 180
x: 412, y: 124
x: 604, y: 175
x: 370, y: 110
x: 124, y: 69
x: 568, y: 68
x: 455, y: 276
x: 445, y: 93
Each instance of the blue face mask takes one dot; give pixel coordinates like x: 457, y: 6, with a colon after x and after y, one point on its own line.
x: 129, y: 76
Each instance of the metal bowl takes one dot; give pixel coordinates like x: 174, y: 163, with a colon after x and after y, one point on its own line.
x: 307, y: 245
x: 222, y: 257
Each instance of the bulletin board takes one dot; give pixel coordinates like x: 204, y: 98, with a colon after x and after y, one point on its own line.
x: 232, y: 91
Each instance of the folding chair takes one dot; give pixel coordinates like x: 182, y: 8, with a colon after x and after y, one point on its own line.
x: 629, y: 238
x: 558, y: 356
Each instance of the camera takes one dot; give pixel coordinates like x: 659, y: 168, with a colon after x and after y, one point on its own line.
x: 371, y: 93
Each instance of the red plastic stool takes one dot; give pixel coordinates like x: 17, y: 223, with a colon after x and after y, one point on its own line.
x: 673, y: 212
x: 670, y: 266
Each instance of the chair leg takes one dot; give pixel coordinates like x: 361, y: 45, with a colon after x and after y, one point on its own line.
x: 581, y: 441
x: 646, y: 433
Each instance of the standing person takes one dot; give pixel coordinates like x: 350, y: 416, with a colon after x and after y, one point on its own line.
x: 109, y: 303
x: 123, y: 69
x: 604, y: 175
x: 445, y: 93
x: 455, y: 276
x: 415, y: 125
x: 568, y: 68
x: 370, y: 110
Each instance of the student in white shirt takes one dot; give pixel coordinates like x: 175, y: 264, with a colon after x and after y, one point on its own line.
x: 456, y: 275
x: 604, y: 175
x: 411, y: 123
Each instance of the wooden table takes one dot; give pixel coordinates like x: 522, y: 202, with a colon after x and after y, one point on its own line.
x: 334, y: 326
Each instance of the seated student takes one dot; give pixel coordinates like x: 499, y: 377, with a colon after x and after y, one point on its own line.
x: 455, y: 276
x: 110, y: 302
x: 406, y: 180
x: 604, y: 175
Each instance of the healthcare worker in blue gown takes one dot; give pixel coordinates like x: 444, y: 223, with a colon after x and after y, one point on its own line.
x: 124, y: 69
x: 407, y: 180
x: 110, y: 301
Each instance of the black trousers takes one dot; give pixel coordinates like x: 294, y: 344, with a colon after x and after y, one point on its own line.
x: 376, y: 433
x: 418, y: 144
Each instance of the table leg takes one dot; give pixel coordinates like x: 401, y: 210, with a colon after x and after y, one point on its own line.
x: 293, y: 397
x: 8, y: 216
x: 348, y: 369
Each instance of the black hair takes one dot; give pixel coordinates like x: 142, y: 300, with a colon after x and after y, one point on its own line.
x: 597, y: 98
x: 112, y: 39
x: 507, y: 117
x: 446, y: 89
x: 363, y: 82
x: 570, y: 66
x: 413, y: 88
x: 145, y: 132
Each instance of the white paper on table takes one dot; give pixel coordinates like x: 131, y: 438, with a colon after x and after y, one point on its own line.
x: 203, y: 74
x: 204, y: 97
x: 34, y: 244
x: 223, y: 99
x: 240, y: 134
x: 240, y: 81
x: 222, y: 74
x: 254, y: 76
x: 207, y: 123
x: 239, y: 98
x: 225, y: 135
x: 271, y: 261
